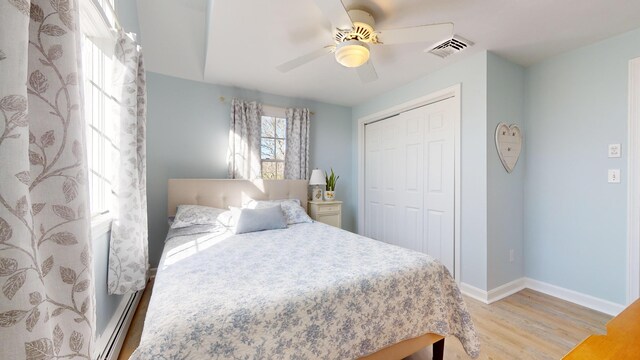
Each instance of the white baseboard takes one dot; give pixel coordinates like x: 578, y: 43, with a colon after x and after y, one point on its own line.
x: 109, y: 348
x: 474, y: 292
x: 591, y: 302
x: 102, y: 341
x: 513, y: 287
x: 495, y: 294
x: 505, y: 290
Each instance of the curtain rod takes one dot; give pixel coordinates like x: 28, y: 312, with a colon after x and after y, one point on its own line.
x: 224, y: 100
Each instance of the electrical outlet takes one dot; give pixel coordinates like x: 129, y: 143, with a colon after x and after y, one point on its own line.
x: 512, y: 256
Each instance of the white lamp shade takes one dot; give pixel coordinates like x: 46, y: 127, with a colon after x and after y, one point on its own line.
x: 317, y: 178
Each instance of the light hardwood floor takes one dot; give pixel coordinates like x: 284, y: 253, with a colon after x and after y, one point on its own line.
x: 526, y: 325
x: 132, y: 340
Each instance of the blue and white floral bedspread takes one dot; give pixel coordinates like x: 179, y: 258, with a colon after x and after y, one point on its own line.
x: 311, y: 291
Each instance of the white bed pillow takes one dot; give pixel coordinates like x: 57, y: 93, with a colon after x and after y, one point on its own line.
x: 252, y: 220
x: 229, y: 218
x: 226, y: 218
x: 291, y: 207
x: 188, y: 215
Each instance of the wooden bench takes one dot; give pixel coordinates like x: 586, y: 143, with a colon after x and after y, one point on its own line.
x: 622, y: 340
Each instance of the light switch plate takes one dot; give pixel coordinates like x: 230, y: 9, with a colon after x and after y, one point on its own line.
x: 615, y: 150
x: 614, y: 176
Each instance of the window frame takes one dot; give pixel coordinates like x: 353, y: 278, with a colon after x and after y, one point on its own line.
x: 97, y: 117
x: 274, y: 113
x: 96, y: 26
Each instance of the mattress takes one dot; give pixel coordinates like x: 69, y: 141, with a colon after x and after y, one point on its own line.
x: 311, y: 291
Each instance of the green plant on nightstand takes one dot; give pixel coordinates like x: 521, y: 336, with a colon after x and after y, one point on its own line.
x: 330, y: 193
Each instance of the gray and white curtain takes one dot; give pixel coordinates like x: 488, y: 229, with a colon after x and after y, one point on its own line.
x: 244, y: 140
x: 296, y: 163
x: 128, y: 251
x: 47, y: 302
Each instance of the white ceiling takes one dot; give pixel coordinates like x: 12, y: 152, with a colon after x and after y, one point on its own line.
x: 240, y: 42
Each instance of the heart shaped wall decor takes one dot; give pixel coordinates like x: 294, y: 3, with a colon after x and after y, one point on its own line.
x: 508, y: 144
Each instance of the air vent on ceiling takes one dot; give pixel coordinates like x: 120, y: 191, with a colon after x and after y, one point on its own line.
x: 450, y: 47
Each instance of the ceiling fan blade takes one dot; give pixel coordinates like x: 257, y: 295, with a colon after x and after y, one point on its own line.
x: 367, y: 72
x: 290, y: 65
x: 424, y: 33
x: 336, y: 13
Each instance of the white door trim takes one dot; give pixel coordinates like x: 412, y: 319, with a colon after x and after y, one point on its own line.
x: 633, y: 192
x: 450, y: 92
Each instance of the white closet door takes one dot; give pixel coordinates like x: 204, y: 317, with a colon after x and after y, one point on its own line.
x: 384, y: 149
x: 373, y: 184
x: 439, y: 183
x: 391, y: 206
x: 410, y: 179
x: 409, y: 164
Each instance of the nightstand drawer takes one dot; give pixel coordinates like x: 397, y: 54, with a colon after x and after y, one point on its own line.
x: 328, y: 212
x: 329, y: 209
x: 330, y: 219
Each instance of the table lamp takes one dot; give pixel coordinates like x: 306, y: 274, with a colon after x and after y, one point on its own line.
x: 317, y: 179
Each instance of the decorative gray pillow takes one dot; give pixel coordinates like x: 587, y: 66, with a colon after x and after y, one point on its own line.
x: 251, y: 220
x: 291, y: 207
x: 188, y: 215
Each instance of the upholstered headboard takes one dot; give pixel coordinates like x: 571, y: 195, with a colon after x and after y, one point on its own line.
x: 222, y: 193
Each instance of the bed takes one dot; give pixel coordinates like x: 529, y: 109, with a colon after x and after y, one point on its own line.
x: 310, y: 291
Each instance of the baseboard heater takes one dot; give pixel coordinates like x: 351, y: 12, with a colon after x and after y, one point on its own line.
x: 111, y: 348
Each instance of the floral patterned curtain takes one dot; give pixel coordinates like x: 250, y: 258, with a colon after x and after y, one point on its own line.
x: 244, y: 140
x: 128, y: 252
x: 296, y: 157
x: 47, y: 302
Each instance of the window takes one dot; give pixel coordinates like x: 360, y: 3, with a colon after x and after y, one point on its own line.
x: 98, y: 105
x: 98, y: 102
x: 273, y: 146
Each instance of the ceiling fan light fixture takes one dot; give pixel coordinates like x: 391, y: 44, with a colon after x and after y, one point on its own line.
x: 352, y: 53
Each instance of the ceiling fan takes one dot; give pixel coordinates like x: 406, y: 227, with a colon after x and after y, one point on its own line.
x: 354, y: 32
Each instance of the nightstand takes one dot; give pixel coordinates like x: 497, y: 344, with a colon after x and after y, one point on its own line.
x: 328, y: 212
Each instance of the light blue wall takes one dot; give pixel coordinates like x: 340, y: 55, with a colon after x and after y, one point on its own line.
x: 575, y: 230
x: 128, y: 16
x: 505, y: 193
x: 187, y: 137
x: 106, y: 305
x: 472, y: 74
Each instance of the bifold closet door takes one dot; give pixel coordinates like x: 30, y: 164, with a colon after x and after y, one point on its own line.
x: 439, y: 194
x: 409, y: 180
x: 393, y: 196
